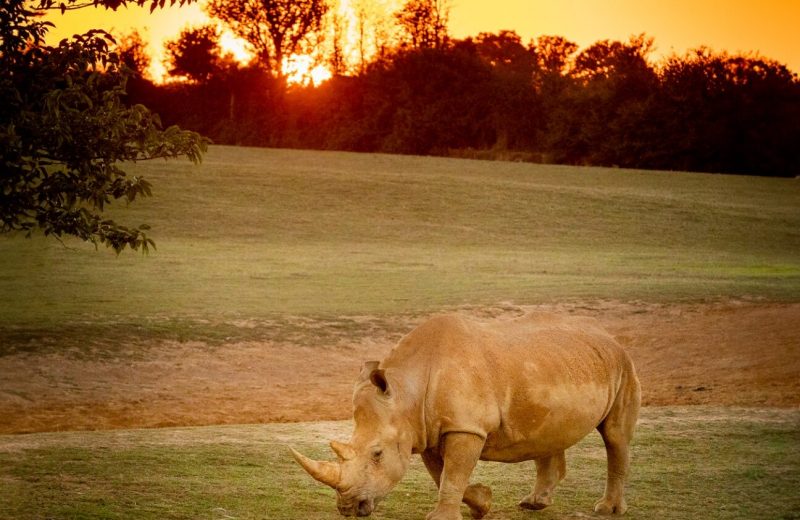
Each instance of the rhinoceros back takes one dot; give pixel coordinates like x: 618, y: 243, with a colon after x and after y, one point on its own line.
x: 531, y: 386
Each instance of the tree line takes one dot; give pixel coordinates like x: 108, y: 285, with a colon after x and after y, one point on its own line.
x: 491, y: 95
x: 75, y: 113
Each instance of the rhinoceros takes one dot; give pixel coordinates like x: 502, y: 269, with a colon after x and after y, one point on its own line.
x: 456, y: 391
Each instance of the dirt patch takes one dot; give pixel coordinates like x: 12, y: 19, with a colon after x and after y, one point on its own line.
x: 733, y: 353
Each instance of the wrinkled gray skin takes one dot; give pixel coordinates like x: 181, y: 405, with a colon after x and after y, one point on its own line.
x: 455, y: 391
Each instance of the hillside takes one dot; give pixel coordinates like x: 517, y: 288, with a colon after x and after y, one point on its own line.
x: 279, y: 272
x: 258, y: 232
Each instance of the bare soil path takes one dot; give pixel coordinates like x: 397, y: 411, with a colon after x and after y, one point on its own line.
x: 732, y: 353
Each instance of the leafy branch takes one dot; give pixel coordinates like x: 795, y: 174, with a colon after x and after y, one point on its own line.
x: 65, y: 132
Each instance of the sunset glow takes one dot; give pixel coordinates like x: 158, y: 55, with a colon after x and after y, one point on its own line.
x: 373, y: 18
x: 302, y: 70
x: 768, y: 27
x: 236, y: 47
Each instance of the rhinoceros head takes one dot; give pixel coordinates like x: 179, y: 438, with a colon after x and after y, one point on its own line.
x: 378, y: 454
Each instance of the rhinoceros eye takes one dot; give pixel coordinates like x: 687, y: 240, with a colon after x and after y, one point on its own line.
x: 377, y: 454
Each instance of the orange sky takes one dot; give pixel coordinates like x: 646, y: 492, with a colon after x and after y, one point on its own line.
x: 767, y: 26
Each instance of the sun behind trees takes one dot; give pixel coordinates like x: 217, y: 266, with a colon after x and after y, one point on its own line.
x: 495, y: 96
x: 400, y: 83
x: 275, y: 29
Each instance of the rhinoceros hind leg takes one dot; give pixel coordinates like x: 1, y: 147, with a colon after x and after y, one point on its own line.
x: 613, y: 501
x: 617, y: 432
x: 549, y: 472
x: 477, y: 496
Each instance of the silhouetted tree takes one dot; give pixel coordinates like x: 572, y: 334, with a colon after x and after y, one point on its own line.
x: 621, y: 63
x: 132, y: 51
x: 515, y: 105
x: 717, y: 112
x: 504, y: 51
x: 553, y: 54
x: 373, y: 31
x: 423, y: 23
x: 337, y: 59
x: 275, y: 29
x: 607, y: 104
x: 71, y: 5
x: 553, y: 57
x: 196, y: 54
x: 406, y: 105
x: 601, y: 109
x: 337, y: 115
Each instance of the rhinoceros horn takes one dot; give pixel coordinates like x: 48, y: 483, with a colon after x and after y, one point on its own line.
x: 329, y: 473
x: 342, y: 450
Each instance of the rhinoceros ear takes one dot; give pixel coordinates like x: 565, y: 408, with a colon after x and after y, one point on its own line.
x: 367, y: 369
x: 378, y: 378
x: 343, y: 451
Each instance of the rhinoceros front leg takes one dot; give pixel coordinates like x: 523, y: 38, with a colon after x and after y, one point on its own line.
x: 477, y: 496
x: 549, y: 472
x: 461, y: 454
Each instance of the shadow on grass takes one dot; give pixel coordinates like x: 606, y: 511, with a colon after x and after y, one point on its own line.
x: 131, y: 338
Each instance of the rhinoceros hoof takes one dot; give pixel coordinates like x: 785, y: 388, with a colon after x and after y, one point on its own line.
x: 479, y: 499
x: 446, y: 514
x: 610, y: 507
x: 536, y: 502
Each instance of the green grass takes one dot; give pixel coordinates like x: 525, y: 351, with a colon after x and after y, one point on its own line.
x: 688, y: 463
x: 255, y: 233
x: 313, y: 246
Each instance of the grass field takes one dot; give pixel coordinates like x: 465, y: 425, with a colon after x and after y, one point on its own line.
x: 688, y: 463
x: 254, y: 233
x: 300, y: 249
